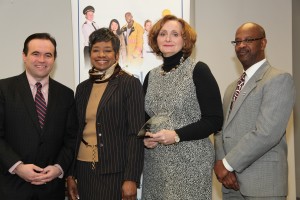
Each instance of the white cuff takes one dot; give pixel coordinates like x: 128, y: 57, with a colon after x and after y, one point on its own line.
x: 226, y: 165
x: 62, y: 171
x: 12, y: 169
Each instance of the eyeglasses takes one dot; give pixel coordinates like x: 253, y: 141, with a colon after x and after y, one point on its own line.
x: 245, y: 41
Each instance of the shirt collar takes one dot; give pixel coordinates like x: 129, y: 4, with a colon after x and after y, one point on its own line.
x: 251, y: 70
x: 32, y: 81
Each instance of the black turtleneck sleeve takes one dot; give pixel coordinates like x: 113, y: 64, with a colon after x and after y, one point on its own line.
x: 209, y: 98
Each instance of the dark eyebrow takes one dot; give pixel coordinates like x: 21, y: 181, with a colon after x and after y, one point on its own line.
x: 49, y: 54
x: 37, y: 52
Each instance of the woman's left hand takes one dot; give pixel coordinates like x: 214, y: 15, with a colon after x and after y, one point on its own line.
x: 165, y: 137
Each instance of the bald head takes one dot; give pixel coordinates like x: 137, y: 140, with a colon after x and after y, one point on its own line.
x: 250, y: 44
x: 255, y: 28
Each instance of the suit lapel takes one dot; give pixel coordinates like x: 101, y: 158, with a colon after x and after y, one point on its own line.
x: 26, y: 93
x: 110, y: 89
x: 84, y: 98
x: 250, y: 85
x: 227, y: 99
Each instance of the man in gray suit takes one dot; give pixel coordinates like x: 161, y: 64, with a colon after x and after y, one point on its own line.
x: 251, y: 149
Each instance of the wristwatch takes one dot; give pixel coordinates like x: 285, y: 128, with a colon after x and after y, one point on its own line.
x: 177, y: 138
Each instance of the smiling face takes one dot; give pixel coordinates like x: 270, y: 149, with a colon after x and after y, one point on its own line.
x: 114, y: 27
x: 253, y: 52
x: 129, y: 18
x: 103, y: 55
x: 40, y: 59
x: 169, y: 39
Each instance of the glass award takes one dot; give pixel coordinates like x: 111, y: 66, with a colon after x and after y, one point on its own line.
x: 151, y: 124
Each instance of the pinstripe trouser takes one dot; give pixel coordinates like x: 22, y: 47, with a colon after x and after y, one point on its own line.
x: 95, y: 186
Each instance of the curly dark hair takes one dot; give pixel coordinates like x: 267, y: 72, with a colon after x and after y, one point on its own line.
x: 104, y: 35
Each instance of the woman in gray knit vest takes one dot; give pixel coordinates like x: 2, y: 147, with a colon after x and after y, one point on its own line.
x: 184, y: 103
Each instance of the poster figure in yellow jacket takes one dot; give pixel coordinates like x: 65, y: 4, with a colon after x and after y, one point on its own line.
x: 133, y: 34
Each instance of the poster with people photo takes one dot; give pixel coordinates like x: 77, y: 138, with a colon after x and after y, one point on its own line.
x: 131, y: 20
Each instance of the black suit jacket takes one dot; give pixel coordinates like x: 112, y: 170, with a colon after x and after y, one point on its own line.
x: 22, y: 139
x: 120, y: 115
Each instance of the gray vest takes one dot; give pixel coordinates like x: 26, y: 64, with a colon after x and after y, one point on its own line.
x: 173, y: 95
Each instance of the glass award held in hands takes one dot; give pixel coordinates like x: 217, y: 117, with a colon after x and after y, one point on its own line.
x: 151, y: 124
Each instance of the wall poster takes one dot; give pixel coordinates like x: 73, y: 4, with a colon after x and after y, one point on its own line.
x: 113, y: 12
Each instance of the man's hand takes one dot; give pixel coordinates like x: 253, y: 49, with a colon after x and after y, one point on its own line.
x: 227, y: 178
x: 28, y: 172
x: 129, y: 190
x: 72, y: 189
x: 230, y: 181
x: 48, y: 174
x: 220, y: 170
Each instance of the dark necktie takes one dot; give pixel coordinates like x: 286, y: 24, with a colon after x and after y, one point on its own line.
x: 238, y: 89
x: 94, y: 26
x: 40, y: 104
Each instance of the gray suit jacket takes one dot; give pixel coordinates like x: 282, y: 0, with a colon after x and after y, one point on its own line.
x: 253, y: 136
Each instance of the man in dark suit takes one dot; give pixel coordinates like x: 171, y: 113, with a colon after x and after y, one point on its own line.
x: 36, y: 144
x: 251, y: 149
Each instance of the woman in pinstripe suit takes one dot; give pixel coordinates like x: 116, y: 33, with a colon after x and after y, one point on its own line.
x: 110, y: 110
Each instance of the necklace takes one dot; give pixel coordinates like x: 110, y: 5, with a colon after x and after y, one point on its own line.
x: 163, y: 72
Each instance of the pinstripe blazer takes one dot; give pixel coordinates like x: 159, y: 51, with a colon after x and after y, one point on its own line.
x: 120, y: 115
x: 253, y: 136
x: 22, y: 139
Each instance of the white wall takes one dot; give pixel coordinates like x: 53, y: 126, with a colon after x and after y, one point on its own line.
x: 216, y: 22
x: 19, y: 19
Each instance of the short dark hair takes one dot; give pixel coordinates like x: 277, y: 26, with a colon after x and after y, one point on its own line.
x: 104, y: 35
x: 42, y: 36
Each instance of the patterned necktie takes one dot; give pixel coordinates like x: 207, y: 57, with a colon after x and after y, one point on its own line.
x: 40, y: 104
x: 238, y: 88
